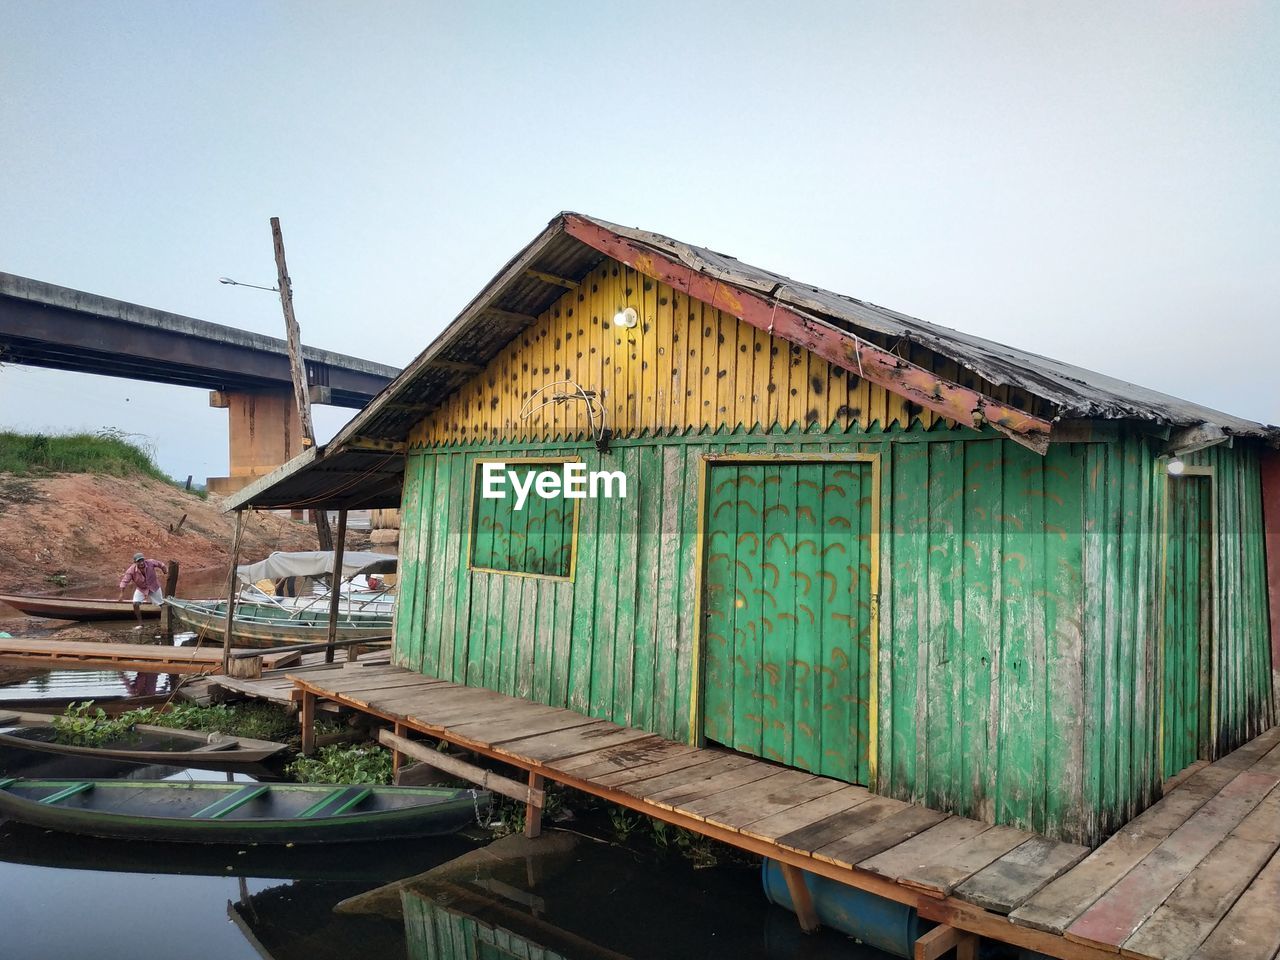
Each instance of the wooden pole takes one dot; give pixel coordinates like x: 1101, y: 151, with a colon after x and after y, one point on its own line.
x: 307, y: 720
x: 800, y: 898
x: 166, y: 612
x: 335, y: 584
x: 297, y: 366
x: 533, y: 811
x: 231, y: 593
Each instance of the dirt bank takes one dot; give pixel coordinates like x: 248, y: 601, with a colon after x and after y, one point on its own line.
x: 81, y: 530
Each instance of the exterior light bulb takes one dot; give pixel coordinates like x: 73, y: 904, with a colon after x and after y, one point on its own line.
x: 626, y: 318
x: 1176, y: 467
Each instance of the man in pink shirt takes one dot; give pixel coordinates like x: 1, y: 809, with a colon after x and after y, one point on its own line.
x: 144, y: 575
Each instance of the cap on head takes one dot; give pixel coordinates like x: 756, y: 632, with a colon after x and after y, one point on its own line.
x: 138, y: 556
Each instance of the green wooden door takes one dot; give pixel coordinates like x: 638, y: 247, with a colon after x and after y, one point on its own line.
x: 1188, y: 624
x: 788, y: 607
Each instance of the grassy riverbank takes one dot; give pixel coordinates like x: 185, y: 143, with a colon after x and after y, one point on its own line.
x: 104, y: 453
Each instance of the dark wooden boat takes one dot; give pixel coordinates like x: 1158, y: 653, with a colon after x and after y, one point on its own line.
x: 113, y: 705
x: 147, y: 744
x: 209, y: 812
x: 76, y: 608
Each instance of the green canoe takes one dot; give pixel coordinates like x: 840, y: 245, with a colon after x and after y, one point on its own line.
x: 203, y: 812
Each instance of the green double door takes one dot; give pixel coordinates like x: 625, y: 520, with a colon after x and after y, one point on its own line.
x: 788, y: 591
x: 1187, y: 709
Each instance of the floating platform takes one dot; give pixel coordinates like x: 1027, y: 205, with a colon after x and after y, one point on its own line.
x: 1196, y: 875
x: 145, y: 657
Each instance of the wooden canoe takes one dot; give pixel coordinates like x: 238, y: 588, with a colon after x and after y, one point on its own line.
x: 113, y: 705
x: 212, y: 812
x: 148, y: 744
x: 76, y: 608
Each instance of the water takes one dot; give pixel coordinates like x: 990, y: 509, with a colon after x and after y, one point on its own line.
x: 69, y: 896
x: 86, y: 685
x: 29, y: 687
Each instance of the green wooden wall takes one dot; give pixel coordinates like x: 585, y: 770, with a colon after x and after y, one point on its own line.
x: 1020, y: 609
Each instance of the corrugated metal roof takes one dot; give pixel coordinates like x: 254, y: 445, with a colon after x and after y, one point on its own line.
x: 515, y: 297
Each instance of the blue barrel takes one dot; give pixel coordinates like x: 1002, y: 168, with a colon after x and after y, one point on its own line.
x: 884, y: 924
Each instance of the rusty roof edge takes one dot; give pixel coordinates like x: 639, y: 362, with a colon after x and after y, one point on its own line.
x: 997, y: 363
x: 1004, y: 365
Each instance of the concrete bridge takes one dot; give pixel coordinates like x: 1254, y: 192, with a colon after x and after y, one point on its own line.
x: 43, y: 325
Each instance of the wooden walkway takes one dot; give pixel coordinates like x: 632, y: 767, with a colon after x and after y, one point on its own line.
x: 146, y: 657
x: 1190, y: 877
x: 274, y: 686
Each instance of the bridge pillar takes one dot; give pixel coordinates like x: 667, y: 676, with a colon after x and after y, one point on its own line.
x: 263, y: 431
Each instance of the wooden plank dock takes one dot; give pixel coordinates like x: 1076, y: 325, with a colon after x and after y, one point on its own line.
x: 146, y: 657
x: 275, y: 685
x: 1196, y: 875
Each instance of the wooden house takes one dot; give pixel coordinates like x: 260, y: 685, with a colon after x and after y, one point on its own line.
x: 852, y: 542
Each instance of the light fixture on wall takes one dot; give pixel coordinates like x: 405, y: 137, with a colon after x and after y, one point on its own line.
x: 1175, y: 466
x: 627, y: 318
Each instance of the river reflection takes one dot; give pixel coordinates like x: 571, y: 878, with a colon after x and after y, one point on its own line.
x: 562, y: 897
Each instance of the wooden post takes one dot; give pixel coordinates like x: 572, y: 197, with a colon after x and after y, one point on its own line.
x: 800, y: 898
x: 486, y: 779
x: 335, y: 583
x: 232, y: 591
x: 245, y: 668
x: 296, y: 365
x: 533, y: 812
x: 397, y: 758
x: 166, y: 612
x: 307, y: 720
x: 943, y: 939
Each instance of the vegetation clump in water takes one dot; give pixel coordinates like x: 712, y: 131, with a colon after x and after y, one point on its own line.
x: 257, y: 721
x: 84, y: 726
x: 343, y: 764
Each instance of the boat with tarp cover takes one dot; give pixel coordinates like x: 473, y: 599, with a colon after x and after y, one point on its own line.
x: 261, y: 619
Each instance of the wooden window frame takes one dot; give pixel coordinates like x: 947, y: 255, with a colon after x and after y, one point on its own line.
x: 477, y: 466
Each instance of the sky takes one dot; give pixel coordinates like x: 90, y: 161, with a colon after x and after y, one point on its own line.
x: 1094, y: 181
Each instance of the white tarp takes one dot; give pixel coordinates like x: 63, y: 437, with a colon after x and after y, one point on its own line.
x: 314, y: 563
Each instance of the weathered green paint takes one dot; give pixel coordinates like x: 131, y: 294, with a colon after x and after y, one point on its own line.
x: 1188, y: 624
x: 1021, y: 609
x: 788, y: 613
x: 434, y: 931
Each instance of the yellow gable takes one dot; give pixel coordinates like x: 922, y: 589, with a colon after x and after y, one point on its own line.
x: 684, y: 366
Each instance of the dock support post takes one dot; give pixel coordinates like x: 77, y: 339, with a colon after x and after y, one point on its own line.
x: 800, y: 898
x: 232, y: 591
x: 307, y: 720
x: 335, y: 583
x: 533, y: 813
x: 942, y: 939
x: 397, y: 758
x: 166, y: 612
